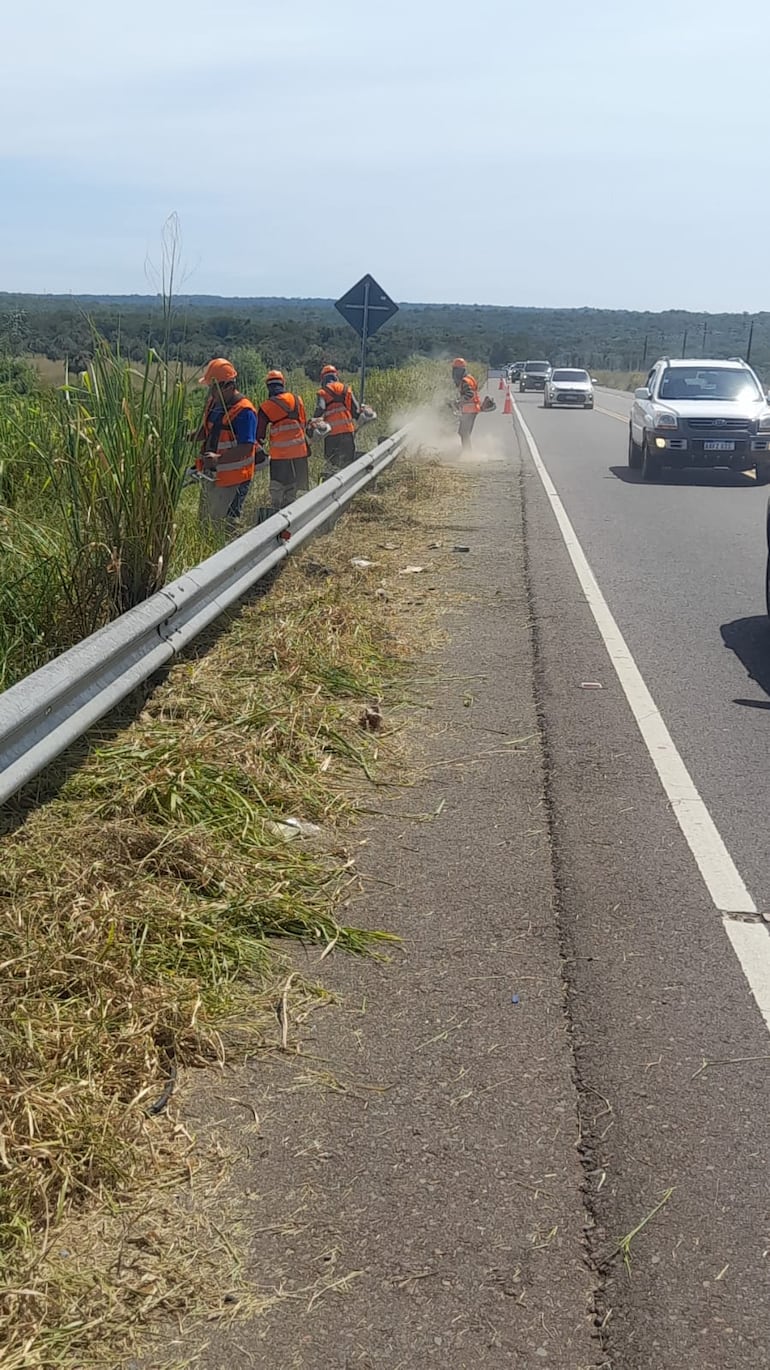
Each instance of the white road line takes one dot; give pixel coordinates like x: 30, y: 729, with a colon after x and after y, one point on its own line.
x: 714, y: 861
x: 749, y: 941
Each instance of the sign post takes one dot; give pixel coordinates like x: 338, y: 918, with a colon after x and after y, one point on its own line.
x: 364, y: 338
x: 366, y: 308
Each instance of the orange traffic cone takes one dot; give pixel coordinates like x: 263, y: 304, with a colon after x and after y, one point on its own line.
x: 508, y: 406
x: 501, y: 385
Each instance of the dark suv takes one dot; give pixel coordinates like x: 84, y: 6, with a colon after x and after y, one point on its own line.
x: 534, y: 375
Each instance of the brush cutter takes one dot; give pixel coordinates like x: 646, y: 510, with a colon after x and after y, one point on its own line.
x: 195, y: 477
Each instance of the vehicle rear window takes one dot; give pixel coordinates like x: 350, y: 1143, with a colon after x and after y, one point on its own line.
x: 570, y: 376
x: 538, y: 366
x: 707, y: 383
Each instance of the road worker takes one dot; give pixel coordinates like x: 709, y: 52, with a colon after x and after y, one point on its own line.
x: 282, y: 415
x: 337, y: 406
x: 228, y: 437
x: 468, y: 403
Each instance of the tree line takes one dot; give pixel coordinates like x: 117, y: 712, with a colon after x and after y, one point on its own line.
x: 307, y: 332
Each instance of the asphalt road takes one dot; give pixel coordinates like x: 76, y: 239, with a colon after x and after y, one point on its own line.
x: 671, y: 1050
x: 682, y: 566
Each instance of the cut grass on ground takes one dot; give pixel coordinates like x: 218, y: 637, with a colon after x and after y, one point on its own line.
x: 139, y: 911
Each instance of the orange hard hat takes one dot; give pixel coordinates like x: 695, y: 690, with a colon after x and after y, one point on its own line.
x: 275, y: 376
x: 458, y: 363
x: 328, y: 371
x: 218, y: 371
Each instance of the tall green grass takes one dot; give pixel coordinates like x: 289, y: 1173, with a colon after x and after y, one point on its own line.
x: 91, y: 477
x: 118, y: 478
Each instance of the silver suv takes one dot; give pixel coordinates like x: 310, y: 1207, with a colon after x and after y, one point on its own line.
x: 700, y: 413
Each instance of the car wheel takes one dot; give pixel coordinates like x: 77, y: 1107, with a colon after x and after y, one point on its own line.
x: 763, y: 470
x: 522, y: 388
x: 651, y: 463
x: 634, y: 453
x: 546, y: 402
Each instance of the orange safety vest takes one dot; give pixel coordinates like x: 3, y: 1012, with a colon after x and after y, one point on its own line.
x: 232, y: 472
x: 286, y: 415
x: 339, y: 406
x: 469, y: 391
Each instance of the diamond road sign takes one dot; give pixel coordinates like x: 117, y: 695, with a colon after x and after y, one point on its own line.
x: 366, y: 307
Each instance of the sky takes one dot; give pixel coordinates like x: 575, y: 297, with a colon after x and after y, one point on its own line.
x: 557, y: 154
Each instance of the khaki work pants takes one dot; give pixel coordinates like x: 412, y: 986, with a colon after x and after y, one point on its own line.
x: 288, y: 479
x: 466, y: 428
x: 215, y: 502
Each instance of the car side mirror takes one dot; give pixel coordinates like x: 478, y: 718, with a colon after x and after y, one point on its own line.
x: 642, y: 393
x: 594, y: 381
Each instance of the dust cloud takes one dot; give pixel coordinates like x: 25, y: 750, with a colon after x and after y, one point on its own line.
x: 434, y: 435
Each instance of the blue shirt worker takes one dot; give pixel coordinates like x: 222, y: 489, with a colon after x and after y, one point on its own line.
x: 228, y: 438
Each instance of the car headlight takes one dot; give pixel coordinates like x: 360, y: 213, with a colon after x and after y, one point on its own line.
x: 764, y: 424
x: 666, y: 420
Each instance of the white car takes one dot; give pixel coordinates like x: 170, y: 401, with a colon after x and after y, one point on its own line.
x: 568, y: 385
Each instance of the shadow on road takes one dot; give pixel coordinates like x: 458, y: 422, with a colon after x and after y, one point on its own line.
x: 719, y: 479
x: 749, y: 638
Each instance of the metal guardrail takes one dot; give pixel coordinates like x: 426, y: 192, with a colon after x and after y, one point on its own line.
x: 43, y: 714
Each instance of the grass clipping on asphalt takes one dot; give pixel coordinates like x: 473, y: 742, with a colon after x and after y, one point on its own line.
x: 139, y: 912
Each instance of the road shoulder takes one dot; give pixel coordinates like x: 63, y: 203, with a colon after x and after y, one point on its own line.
x: 413, y: 1192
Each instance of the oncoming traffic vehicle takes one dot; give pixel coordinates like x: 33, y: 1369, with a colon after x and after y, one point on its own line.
x: 694, y: 413
x: 534, y: 375
x: 568, y: 386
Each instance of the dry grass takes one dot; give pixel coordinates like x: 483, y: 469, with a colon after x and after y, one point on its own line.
x: 139, y: 912
x: 621, y: 380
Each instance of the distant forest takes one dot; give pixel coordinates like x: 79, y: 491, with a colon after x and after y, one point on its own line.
x: 309, y: 332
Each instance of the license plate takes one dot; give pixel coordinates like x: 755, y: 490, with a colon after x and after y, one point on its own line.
x: 719, y: 446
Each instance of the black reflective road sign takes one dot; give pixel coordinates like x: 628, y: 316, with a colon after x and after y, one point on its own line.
x: 366, y: 307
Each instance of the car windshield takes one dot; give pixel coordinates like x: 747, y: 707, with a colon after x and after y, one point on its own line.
x: 707, y: 383
x: 538, y: 366
x: 570, y: 376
